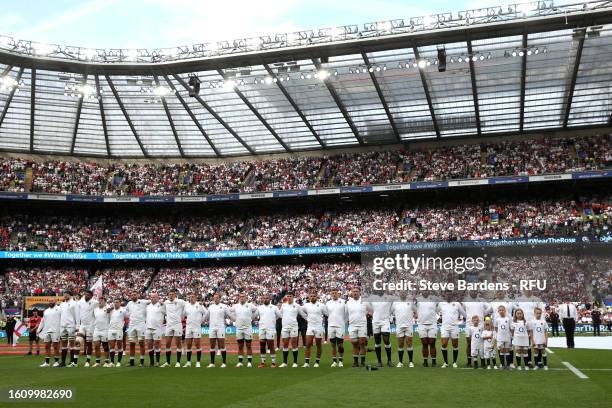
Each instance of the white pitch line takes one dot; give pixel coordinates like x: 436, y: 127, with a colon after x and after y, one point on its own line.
x: 596, y: 369
x: 549, y: 351
x: 574, y: 370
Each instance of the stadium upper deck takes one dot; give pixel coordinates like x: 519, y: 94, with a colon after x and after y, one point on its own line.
x: 517, y: 69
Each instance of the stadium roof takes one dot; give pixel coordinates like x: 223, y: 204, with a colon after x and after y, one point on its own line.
x: 509, y: 70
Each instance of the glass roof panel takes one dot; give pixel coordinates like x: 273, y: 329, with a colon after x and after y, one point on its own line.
x: 15, y: 129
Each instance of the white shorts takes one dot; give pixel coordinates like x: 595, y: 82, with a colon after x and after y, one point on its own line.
x: 539, y: 346
x: 100, y: 335
x: 115, y: 335
x: 67, y: 332
x: 153, y: 333
x: 489, y: 352
x: 244, y: 334
x: 266, y: 334
x: 216, y: 333
x: 449, y: 331
x: 381, y: 327
x: 175, y: 331
x: 317, y: 332
x: 193, y: 332
x: 357, y: 332
x: 504, y: 345
x: 335, y: 332
x: 478, y: 351
x: 404, y: 331
x: 521, y: 341
x: 87, y: 332
x: 428, y: 331
x: 52, y: 337
x: 289, y: 332
x: 136, y: 333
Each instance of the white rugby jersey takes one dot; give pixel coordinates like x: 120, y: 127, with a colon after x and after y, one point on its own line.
x: 450, y: 312
x: 289, y: 313
x: 101, y: 319
x: 381, y: 311
x: 174, y: 311
x: 86, y: 311
x: 502, y: 327
x: 51, y: 320
x: 356, y: 311
x: 196, y: 314
x: 475, y: 333
x: 495, y: 306
x: 520, y: 329
x: 403, y: 313
x: 488, y: 343
x: 336, y: 313
x: 117, y: 319
x: 538, y: 329
x: 217, y: 313
x: 268, y: 314
x: 476, y: 308
x: 155, y: 315
x: 426, y: 312
x: 69, y: 313
x: 242, y: 315
x: 137, y: 311
x: 314, y: 313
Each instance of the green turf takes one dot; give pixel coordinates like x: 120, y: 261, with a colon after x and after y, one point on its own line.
x: 426, y: 387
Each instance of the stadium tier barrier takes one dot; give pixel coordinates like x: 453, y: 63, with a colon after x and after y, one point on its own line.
x: 421, y: 185
x: 296, y: 251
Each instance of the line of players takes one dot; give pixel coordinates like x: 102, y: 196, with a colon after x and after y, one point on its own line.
x: 100, y: 326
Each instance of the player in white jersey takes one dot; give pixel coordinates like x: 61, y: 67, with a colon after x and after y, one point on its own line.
x: 267, y: 314
x: 503, y: 336
x: 314, y: 311
x: 136, y: 311
x: 196, y: 314
x: 474, y: 331
x: 403, y: 312
x: 289, y: 330
x: 521, y: 338
x: 174, y: 327
x: 427, y: 319
x: 381, y: 327
x: 473, y: 306
x: 155, y: 314
x: 508, y: 306
x: 242, y: 315
x: 217, y: 313
x: 336, y: 324
x: 528, y: 303
x: 86, y: 305
x: 49, y: 332
x: 115, y: 332
x: 488, y: 337
x: 68, y: 326
x: 539, y: 336
x: 356, y: 315
x: 451, y: 312
x: 100, y: 331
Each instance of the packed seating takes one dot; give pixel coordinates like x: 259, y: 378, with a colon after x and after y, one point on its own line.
x: 118, y: 283
x: 341, y: 226
x: 507, y: 158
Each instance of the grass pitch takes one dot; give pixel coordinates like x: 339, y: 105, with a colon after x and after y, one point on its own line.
x: 324, y: 386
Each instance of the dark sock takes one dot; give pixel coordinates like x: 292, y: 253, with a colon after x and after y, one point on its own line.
x: 168, y: 354
x: 250, y: 358
x: 388, y: 350
x: 518, y: 361
x: 199, y: 355
x: 151, y: 357
x: 433, y: 361
x: 189, y: 356
x: 363, y: 358
x: 307, y: 360
x: 179, y: 353
x: 131, y: 361
x: 508, y: 359
x: 400, y: 355
x: 142, y: 360
x: 455, y: 354
x: 212, y: 357
x: 47, y: 359
x: 356, y: 359
x: 545, y: 358
x: 223, y: 355
x: 317, y: 360
x: 494, y: 361
x: 240, y: 358
x: 526, y: 360
x: 469, y: 360
x: 64, y: 354
x: 482, y: 363
x: 410, y: 354
x: 445, y: 355
x: 285, y: 355
x: 378, y: 353
x: 120, y: 356
x: 112, y: 356
x: 158, y: 356
x: 295, y: 355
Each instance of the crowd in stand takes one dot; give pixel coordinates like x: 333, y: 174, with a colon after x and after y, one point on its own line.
x: 508, y: 158
x: 118, y: 282
x: 344, y: 226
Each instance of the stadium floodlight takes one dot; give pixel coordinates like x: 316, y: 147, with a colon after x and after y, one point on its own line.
x: 336, y: 32
x: 162, y: 91
x: 524, y: 8
x: 323, y: 74
x: 521, y: 53
x: 7, y: 82
x: 90, y: 54
x: 43, y: 49
x: 422, y: 63
x: 229, y: 84
x: 268, y: 80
